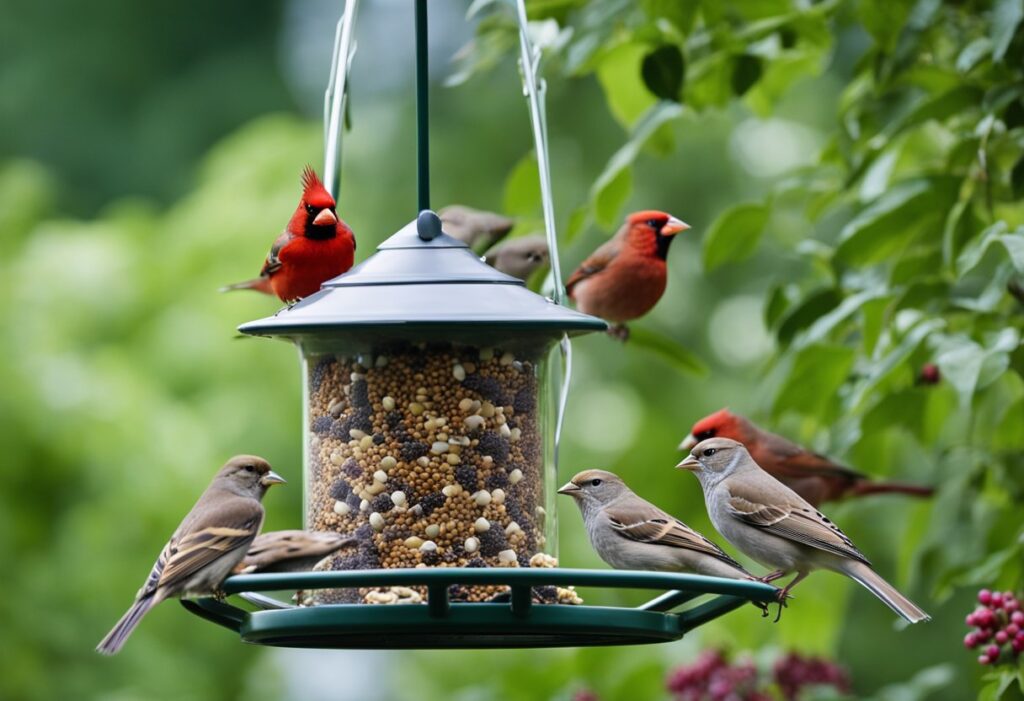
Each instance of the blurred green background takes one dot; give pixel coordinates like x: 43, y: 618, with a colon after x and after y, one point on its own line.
x: 150, y: 154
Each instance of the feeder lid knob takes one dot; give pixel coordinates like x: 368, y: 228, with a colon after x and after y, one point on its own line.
x: 428, y: 225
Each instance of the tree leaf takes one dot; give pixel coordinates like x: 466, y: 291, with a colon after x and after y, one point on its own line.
x: 668, y: 348
x: 626, y: 96
x: 522, y: 188
x: 1006, y: 15
x: 895, y: 218
x: 969, y: 366
x: 814, y: 378
x: 663, y: 72
x: 1011, y: 241
x: 612, y: 187
x: 734, y: 235
x: 805, y: 312
x: 973, y: 54
x: 746, y: 71
x: 886, y: 362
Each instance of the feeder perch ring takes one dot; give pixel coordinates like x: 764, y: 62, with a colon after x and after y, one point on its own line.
x: 442, y: 624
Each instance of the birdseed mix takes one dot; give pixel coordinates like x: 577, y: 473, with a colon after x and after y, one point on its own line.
x: 432, y: 456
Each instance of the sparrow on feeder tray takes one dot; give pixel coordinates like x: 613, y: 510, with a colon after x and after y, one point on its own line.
x: 814, y: 477
x: 211, y: 540
x: 772, y: 524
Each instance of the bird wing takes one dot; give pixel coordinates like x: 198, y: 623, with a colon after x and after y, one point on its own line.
x: 799, y: 462
x: 799, y: 522
x: 231, y: 526
x: 273, y: 547
x: 656, y: 527
x: 273, y: 262
x: 595, y: 262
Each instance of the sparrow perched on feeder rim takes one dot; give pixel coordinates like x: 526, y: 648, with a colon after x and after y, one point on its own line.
x: 475, y: 227
x: 626, y: 276
x: 315, y: 247
x: 774, y: 525
x: 633, y: 534
x: 211, y: 540
x: 519, y: 257
x: 291, y: 551
x: 814, y: 477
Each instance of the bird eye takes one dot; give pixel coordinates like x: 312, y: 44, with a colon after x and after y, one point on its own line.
x: 595, y: 482
x: 310, y: 209
x: 708, y: 452
x: 655, y: 224
x: 249, y: 468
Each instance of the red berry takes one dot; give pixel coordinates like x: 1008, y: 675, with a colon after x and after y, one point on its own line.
x: 996, y: 600
x: 1017, y: 645
x: 984, y: 634
x: 1011, y: 604
x: 1012, y: 630
x: 992, y: 651
x: 1001, y: 637
x: 984, y: 597
x: 929, y: 374
x: 1017, y: 617
x: 983, y: 659
x: 970, y: 640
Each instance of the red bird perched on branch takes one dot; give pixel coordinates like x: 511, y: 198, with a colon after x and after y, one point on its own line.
x: 626, y: 276
x: 315, y: 247
x: 814, y: 477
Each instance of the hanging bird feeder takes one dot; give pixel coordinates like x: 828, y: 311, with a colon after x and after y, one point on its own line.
x: 431, y: 426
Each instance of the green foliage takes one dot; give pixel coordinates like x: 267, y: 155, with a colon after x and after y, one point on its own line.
x: 893, y: 240
x: 903, y: 241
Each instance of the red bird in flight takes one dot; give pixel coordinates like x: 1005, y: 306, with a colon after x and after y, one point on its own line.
x: 626, y: 276
x: 315, y: 247
x: 814, y: 477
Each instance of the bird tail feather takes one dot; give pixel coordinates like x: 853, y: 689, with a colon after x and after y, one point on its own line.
x: 115, y: 639
x: 260, y: 284
x: 874, y: 583
x: 867, y: 487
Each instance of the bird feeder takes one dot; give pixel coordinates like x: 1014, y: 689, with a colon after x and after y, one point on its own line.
x: 429, y: 432
x: 428, y: 418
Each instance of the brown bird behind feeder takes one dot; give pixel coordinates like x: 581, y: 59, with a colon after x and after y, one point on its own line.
x: 475, y: 227
x: 291, y: 551
x: 519, y: 257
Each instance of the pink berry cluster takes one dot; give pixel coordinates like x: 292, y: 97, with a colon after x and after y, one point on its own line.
x: 793, y: 672
x: 998, y: 624
x: 712, y: 678
x: 585, y: 695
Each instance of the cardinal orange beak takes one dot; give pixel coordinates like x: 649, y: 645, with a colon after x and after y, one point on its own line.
x: 691, y: 463
x: 325, y: 218
x: 674, y: 226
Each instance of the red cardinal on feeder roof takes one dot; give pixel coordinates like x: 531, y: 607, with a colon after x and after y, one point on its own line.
x: 315, y: 247
x: 626, y: 276
x: 814, y: 477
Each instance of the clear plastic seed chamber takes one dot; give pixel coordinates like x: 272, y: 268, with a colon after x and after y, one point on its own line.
x: 429, y: 415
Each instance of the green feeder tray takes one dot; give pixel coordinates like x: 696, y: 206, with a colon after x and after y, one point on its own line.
x: 442, y: 624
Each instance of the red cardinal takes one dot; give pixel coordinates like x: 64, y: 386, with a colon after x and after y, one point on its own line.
x: 624, y: 278
x: 315, y: 247
x: 812, y: 476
